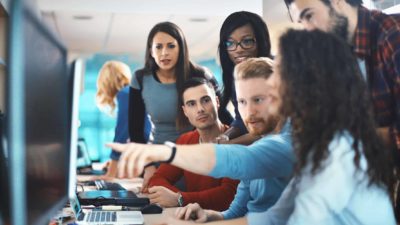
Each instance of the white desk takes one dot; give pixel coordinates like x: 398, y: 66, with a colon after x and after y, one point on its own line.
x: 150, y: 219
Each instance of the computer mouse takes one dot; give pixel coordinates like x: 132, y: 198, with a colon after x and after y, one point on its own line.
x: 151, y: 209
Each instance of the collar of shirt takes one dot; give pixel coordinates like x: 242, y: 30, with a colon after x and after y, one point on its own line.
x: 362, y: 34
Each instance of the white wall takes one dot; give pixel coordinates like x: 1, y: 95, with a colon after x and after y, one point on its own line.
x: 278, y: 21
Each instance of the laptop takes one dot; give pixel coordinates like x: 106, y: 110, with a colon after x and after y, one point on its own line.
x: 84, y: 163
x: 107, y: 197
x: 92, y: 217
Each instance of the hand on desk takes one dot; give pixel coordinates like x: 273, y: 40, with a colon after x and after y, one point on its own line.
x: 148, y: 173
x: 193, y: 212
x: 163, y: 196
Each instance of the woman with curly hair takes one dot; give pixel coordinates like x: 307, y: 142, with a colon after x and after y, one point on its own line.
x: 344, y: 173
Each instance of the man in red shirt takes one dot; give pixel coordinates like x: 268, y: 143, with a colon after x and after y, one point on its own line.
x: 200, y: 105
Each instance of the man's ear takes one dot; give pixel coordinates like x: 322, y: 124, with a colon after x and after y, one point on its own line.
x: 217, y: 101
x: 184, y: 110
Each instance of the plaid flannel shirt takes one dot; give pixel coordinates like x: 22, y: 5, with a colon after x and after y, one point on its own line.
x: 377, y: 41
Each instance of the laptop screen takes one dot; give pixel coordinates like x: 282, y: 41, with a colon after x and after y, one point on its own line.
x: 83, y: 158
x: 75, y: 206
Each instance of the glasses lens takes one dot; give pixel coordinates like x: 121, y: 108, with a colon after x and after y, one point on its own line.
x: 248, y: 42
x: 230, y: 45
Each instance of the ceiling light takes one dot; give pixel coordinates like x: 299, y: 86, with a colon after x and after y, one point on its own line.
x: 83, y: 17
x: 198, y: 19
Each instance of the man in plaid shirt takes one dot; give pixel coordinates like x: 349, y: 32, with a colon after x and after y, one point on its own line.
x: 375, y: 38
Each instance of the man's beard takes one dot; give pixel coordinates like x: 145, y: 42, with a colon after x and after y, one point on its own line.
x: 340, y: 25
x: 269, y: 125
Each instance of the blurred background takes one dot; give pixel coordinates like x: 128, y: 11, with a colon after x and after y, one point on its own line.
x: 101, y: 30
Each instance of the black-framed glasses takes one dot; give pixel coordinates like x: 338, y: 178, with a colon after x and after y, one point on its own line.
x: 245, y: 43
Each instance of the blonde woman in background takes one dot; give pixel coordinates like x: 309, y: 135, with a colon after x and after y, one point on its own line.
x: 112, y: 92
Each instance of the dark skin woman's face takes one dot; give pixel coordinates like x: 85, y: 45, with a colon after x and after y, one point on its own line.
x: 247, y: 47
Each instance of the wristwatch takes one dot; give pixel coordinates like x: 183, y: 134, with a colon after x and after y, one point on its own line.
x: 180, y: 199
x: 172, y: 146
x: 222, y: 137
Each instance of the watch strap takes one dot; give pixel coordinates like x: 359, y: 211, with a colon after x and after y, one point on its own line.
x: 173, y: 151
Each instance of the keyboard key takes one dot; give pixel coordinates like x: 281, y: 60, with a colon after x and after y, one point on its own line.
x: 103, y: 216
x: 97, y: 217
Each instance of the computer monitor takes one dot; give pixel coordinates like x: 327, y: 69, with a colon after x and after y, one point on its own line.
x: 4, y: 187
x: 78, y: 70
x: 38, y: 119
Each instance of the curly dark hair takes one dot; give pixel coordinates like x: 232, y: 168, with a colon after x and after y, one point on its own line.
x: 324, y: 94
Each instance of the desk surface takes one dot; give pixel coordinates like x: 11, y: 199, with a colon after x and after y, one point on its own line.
x: 150, y: 219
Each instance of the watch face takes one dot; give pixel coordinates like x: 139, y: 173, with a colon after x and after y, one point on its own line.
x: 180, y: 200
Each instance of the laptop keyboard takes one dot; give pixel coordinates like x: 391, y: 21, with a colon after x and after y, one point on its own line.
x: 103, y: 185
x: 101, y: 216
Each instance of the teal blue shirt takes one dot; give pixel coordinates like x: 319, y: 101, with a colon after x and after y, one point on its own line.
x: 271, y: 159
x: 271, y: 156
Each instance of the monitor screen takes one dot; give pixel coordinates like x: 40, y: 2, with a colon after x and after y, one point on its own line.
x: 45, y: 121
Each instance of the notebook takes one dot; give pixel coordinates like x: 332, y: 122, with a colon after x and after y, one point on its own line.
x: 92, y: 217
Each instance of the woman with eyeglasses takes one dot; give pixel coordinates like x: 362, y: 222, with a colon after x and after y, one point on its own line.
x: 243, y: 35
x: 155, y: 88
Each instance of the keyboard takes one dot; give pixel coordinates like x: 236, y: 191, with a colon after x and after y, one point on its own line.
x: 103, y: 185
x: 101, y: 216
